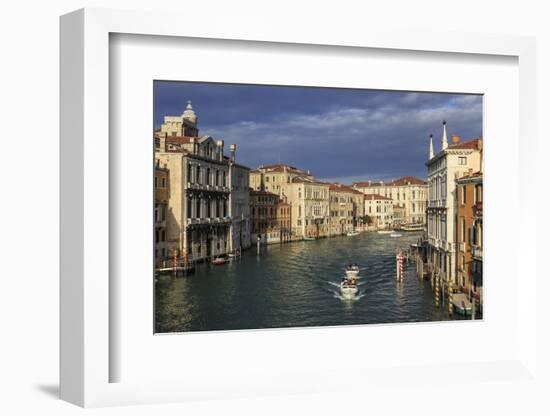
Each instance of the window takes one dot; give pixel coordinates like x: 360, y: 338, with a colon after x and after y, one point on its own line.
x: 463, y: 230
x: 163, y: 182
x: 462, y: 160
x: 156, y: 182
x: 463, y: 191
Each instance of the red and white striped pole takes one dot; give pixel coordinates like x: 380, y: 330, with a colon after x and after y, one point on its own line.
x: 399, y: 265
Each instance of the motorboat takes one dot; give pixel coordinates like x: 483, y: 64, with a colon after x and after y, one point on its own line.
x: 348, y: 288
x: 395, y: 235
x: 309, y: 238
x: 352, y: 271
x: 219, y: 260
x: 384, y: 231
x: 352, y: 233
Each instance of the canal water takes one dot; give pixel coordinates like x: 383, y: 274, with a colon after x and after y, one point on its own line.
x: 296, y: 285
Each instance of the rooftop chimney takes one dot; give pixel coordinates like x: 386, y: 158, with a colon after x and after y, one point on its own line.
x: 232, y: 149
x: 219, y: 145
x: 162, y: 142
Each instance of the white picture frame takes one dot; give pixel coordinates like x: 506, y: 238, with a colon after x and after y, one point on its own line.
x: 86, y: 355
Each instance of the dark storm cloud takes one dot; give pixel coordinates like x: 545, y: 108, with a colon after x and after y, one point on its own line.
x: 339, y: 134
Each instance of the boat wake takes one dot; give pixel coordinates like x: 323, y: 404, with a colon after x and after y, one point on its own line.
x: 337, y: 295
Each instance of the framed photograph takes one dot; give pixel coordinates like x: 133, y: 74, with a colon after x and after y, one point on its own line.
x: 284, y: 213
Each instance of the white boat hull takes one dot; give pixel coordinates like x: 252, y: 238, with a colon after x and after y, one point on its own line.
x: 348, y: 291
x: 352, y: 273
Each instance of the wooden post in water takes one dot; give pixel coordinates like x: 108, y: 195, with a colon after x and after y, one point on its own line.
x: 436, y: 288
x: 174, y: 263
x: 258, y: 239
x: 450, y: 296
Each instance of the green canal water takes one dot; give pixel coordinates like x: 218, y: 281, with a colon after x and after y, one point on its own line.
x: 296, y: 285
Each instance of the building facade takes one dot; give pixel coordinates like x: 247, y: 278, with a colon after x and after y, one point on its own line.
x: 310, y: 207
x: 380, y: 210
x: 277, y: 178
x: 270, y: 217
x: 162, y: 197
x: 443, y: 169
x: 469, y: 236
x: 345, y: 209
x: 239, y: 203
x: 199, y: 219
x: 408, y: 193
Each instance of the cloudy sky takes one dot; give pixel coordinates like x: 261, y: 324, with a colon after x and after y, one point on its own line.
x: 342, y: 135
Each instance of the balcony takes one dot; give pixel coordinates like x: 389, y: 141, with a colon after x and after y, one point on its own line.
x: 477, y: 253
x: 478, y: 209
x: 437, y: 203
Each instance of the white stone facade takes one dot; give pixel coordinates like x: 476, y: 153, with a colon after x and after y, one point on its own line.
x: 443, y: 169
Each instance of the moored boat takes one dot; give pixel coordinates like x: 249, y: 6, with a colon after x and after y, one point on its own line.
x: 461, y: 304
x: 395, y: 235
x: 384, y: 231
x: 219, y: 260
x: 412, y: 227
x: 352, y: 233
x: 309, y: 238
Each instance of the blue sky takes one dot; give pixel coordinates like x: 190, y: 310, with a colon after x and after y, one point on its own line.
x: 342, y: 135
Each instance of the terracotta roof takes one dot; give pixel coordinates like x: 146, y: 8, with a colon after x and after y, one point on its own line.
x: 280, y: 167
x: 405, y: 180
x: 470, y: 144
x: 375, y: 197
x: 179, y: 139
x: 467, y: 176
x: 408, y: 180
x: 303, y: 179
x: 343, y: 188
